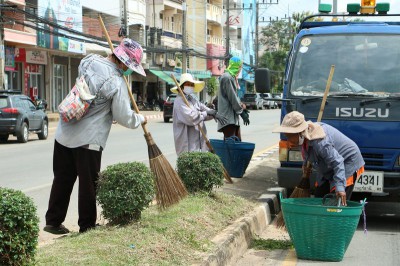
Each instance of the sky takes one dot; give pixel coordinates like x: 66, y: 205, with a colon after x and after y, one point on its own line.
x: 289, y: 6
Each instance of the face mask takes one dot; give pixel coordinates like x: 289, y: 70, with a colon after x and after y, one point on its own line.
x: 127, y: 72
x: 188, y: 90
x: 301, y: 139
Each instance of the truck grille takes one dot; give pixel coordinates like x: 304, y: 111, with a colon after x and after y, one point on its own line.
x: 372, y: 159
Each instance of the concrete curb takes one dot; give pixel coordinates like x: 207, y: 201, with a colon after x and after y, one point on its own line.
x: 234, y: 240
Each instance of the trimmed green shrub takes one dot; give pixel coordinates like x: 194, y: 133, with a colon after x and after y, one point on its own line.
x: 124, y: 191
x: 200, y: 171
x: 19, y: 228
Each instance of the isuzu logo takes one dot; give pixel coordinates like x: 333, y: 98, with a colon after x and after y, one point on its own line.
x: 362, y: 112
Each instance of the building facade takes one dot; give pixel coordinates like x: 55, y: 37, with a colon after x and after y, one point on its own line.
x: 44, y: 41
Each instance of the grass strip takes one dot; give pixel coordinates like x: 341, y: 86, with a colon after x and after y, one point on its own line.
x: 180, y: 235
x: 271, y: 244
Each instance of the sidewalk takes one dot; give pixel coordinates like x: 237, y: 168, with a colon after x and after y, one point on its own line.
x: 258, y: 184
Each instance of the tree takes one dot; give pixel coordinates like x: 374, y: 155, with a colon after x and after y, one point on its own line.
x: 212, y: 87
x: 277, y: 38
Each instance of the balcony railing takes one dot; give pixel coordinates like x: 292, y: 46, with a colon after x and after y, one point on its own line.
x: 214, y: 13
x: 215, y: 40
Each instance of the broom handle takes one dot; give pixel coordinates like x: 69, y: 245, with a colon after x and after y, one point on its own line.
x: 188, y: 105
x: 321, y: 111
x: 126, y: 81
x: 327, y: 88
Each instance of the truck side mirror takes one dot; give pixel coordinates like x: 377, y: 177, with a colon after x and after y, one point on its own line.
x: 262, y: 80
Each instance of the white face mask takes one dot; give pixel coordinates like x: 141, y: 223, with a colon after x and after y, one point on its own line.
x: 188, y: 90
x: 301, y: 139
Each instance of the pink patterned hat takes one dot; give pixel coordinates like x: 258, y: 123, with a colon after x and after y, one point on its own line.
x: 130, y: 53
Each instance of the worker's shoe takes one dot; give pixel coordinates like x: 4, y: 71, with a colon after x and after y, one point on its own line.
x: 56, y: 230
x: 84, y: 230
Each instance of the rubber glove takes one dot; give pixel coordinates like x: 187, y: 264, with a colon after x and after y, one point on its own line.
x: 218, y: 118
x: 245, y: 116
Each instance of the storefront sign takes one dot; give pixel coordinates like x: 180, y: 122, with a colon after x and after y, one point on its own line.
x: 20, y: 55
x: 9, y: 59
x: 33, y: 69
x: 36, y: 57
x: 67, y: 14
x: 76, y: 47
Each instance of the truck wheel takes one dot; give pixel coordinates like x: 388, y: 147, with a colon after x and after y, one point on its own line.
x: 23, y: 134
x: 3, y: 138
x: 166, y: 119
x: 45, y: 131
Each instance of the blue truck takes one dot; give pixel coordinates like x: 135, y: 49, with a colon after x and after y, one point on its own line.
x: 364, y: 96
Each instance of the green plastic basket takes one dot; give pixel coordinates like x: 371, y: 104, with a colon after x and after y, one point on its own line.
x: 320, y: 232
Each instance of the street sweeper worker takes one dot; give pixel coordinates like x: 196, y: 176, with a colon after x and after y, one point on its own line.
x: 186, y: 119
x: 229, y: 104
x: 79, y: 143
x: 335, y: 157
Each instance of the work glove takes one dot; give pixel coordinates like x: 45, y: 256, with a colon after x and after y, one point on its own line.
x: 245, y: 116
x: 218, y: 118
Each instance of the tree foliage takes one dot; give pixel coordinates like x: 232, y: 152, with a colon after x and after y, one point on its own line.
x: 277, y: 38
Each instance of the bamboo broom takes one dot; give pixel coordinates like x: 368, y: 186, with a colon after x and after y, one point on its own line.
x: 169, y: 186
x: 302, y: 190
x: 210, y: 147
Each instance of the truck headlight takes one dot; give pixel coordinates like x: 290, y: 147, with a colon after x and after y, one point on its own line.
x: 295, y: 156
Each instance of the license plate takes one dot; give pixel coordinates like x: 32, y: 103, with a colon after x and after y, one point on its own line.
x: 369, y: 182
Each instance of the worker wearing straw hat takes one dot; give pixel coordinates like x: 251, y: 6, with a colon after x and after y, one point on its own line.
x: 229, y: 104
x: 336, y: 158
x: 79, y: 143
x: 186, y: 119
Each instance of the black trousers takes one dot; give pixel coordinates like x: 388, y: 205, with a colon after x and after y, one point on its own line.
x: 324, y: 189
x: 231, y: 131
x: 68, y: 164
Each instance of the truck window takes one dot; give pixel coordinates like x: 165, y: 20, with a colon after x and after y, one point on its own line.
x: 367, y: 64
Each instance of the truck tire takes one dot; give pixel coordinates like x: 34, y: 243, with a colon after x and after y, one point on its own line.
x: 4, y: 138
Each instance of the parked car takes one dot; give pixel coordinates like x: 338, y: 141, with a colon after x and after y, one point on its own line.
x: 168, y: 107
x: 19, y: 116
x: 253, y: 100
x: 268, y: 103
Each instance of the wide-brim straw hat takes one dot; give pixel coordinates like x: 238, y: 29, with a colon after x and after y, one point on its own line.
x: 293, y: 122
x: 186, y: 77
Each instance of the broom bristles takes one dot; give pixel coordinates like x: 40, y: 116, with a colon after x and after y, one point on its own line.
x: 301, y: 191
x: 169, y: 186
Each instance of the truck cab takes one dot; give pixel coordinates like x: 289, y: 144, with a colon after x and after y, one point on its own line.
x: 364, y: 96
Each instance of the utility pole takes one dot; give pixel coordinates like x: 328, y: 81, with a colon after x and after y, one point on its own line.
x: 184, y: 44
x: 125, y: 18
x: 256, y: 45
x: 256, y: 42
x: 2, y: 48
x: 334, y: 9
x: 227, y: 48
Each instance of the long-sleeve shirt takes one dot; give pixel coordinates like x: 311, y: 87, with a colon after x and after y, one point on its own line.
x: 185, y: 120
x: 336, y: 157
x: 228, y: 101
x: 111, y: 103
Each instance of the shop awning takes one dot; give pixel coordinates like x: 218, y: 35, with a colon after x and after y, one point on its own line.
x: 200, y: 74
x: 92, y: 48
x: 163, y: 76
x: 177, y: 75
